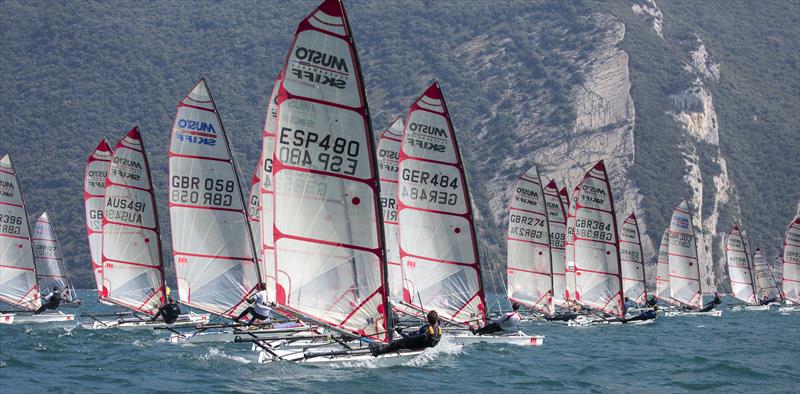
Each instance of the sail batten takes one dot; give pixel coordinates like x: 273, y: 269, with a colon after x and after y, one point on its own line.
x: 213, y: 248
x: 437, y: 232
x: 18, y: 283
x: 530, y: 267
x: 328, y: 237
x: 133, y: 275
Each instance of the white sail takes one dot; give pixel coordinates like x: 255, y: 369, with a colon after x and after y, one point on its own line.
x: 388, y: 155
x: 684, y: 268
x: 738, y: 263
x: 94, y: 188
x: 598, y: 274
x: 530, y: 267
x: 328, y: 234
x: 213, y: 249
x: 269, y: 272
x: 791, y: 262
x: 17, y: 269
x: 50, y: 269
x: 569, y: 247
x: 765, y: 282
x: 630, y: 253
x: 437, y: 232
x: 777, y: 272
x: 557, y: 220
x: 133, y: 272
x: 254, y: 215
x: 662, y: 269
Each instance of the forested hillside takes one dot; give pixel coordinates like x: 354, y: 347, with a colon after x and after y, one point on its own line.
x: 515, y: 76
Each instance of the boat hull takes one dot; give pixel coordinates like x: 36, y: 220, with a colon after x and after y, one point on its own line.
x: 711, y: 313
x: 356, y: 359
x: 518, y: 338
x: 750, y: 308
x: 189, y: 320
x: 16, y: 318
x: 230, y: 335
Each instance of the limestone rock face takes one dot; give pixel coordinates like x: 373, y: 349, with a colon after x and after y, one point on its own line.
x: 650, y: 11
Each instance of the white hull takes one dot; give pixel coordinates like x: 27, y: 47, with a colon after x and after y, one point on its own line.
x: 712, y: 313
x: 517, y: 338
x: 586, y: 321
x: 357, y: 359
x: 16, y: 318
x: 737, y: 308
x: 189, y: 320
x: 789, y: 309
x: 230, y: 335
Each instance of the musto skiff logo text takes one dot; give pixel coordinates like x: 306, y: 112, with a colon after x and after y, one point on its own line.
x: 682, y: 222
x: 196, y: 132
x: 427, y: 137
x: 319, y: 68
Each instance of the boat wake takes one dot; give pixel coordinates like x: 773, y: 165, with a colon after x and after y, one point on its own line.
x: 217, y: 353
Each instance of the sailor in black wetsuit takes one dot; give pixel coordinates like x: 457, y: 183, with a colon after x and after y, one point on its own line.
x: 53, y: 300
x: 169, y: 312
x: 427, y: 336
x: 651, y: 302
x: 647, y: 314
x: 716, y: 301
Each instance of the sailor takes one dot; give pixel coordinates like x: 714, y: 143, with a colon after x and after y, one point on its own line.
x: 651, y: 302
x: 716, y: 301
x: 52, y: 301
x: 630, y: 304
x: 260, y: 309
x: 169, y: 312
x: 427, y: 336
x: 646, y: 314
x: 509, y: 322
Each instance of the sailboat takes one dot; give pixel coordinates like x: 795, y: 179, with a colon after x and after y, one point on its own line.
x: 266, y: 219
x: 557, y: 221
x: 328, y: 236
x: 133, y: 273
x: 634, y: 281
x: 685, y: 279
x: 530, y: 267
x: 598, y: 267
x: 19, y: 285
x: 766, y: 286
x: 94, y: 189
x: 569, y: 250
x: 50, y: 269
x: 740, y: 269
x: 437, y: 233
x: 791, y: 266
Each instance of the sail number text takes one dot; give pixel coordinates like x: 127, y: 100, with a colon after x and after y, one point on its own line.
x: 309, y: 150
x: 10, y: 224
x: 206, y: 191
x: 594, y: 230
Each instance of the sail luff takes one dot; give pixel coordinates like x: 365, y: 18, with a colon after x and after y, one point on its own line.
x: 18, y: 279
x: 133, y: 270
x: 328, y: 235
x: 94, y: 189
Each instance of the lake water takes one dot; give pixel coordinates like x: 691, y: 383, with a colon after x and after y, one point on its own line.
x: 739, y: 352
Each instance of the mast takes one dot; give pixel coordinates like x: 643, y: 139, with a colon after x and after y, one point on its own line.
x: 18, y: 282
x: 213, y: 247
x: 94, y: 189
x: 437, y: 234
x: 133, y: 269
x: 327, y: 215
x: 530, y: 266
x: 598, y: 271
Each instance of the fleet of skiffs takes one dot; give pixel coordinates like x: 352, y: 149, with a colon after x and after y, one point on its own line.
x: 351, y: 239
